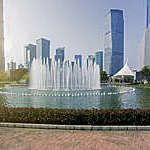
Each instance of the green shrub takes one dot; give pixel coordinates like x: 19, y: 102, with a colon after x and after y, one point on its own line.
x: 75, y: 117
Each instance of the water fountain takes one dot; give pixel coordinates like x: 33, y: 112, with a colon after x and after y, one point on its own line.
x: 68, y: 84
x: 65, y: 78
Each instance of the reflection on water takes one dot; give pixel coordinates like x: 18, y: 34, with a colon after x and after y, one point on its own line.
x: 111, y: 102
x: 143, y: 98
x: 123, y: 98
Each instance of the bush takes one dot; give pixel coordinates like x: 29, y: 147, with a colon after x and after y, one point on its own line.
x: 75, y: 117
x: 18, y: 74
x: 4, y: 76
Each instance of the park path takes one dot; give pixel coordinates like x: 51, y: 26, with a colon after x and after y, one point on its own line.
x: 38, y: 139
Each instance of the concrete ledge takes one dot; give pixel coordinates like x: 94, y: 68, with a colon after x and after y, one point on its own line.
x: 76, y: 127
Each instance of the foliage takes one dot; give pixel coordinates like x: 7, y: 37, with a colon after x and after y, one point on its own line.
x: 136, y: 85
x: 26, y: 77
x: 146, y: 72
x: 104, y: 76
x: 75, y: 117
x: 4, y: 76
x: 18, y: 74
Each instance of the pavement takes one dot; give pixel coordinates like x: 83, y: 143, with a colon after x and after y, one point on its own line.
x: 52, y: 139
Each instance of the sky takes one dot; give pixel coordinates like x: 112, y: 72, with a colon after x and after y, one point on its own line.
x: 77, y: 25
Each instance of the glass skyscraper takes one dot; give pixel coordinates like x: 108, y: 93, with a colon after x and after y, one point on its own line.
x: 114, y: 42
x: 30, y: 54
x: 60, y: 54
x: 2, y: 58
x: 99, y: 59
x: 43, y: 48
x: 78, y: 59
x: 148, y: 14
x: 144, y: 51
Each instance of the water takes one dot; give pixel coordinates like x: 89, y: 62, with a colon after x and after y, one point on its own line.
x: 70, y: 85
x: 68, y: 75
x: 109, y: 98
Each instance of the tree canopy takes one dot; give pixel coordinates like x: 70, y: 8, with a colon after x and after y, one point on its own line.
x: 4, y: 76
x: 104, y: 76
x: 146, y: 72
x: 18, y: 74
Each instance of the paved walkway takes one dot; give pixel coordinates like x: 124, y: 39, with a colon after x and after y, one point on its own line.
x: 37, y: 139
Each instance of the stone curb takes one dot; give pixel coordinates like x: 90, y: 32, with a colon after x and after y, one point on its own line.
x: 76, y: 127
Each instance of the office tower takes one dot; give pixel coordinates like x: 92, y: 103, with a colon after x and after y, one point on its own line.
x: 144, y: 51
x: 11, y: 65
x: 43, y: 49
x: 114, y: 42
x: 148, y: 14
x: 91, y: 58
x: 2, y: 59
x: 99, y: 59
x: 60, y: 54
x: 78, y: 59
x: 30, y: 54
x: 20, y: 66
x: 144, y: 55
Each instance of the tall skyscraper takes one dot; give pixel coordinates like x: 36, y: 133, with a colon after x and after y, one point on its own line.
x: 78, y: 59
x: 11, y: 65
x: 43, y: 48
x: 114, y: 42
x: 99, y: 59
x: 148, y: 14
x: 60, y: 54
x: 144, y: 57
x: 30, y: 54
x: 2, y: 58
x: 144, y: 51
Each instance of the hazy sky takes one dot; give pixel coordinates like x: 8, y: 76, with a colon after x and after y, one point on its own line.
x: 77, y: 25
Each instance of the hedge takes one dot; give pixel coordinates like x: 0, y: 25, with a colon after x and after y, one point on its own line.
x: 75, y: 117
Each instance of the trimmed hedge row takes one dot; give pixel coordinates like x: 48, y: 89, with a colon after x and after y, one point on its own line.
x: 75, y: 117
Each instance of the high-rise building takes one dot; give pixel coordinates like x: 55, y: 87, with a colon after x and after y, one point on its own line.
x: 99, y: 59
x: 144, y: 57
x: 43, y: 48
x: 11, y: 65
x: 144, y: 51
x: 2, y: 58
x: 114, y: 42
x: 91, y: 58
x: 30, y: 54
x: 20, y: 66
x: 148, y: 14
x: 78, y: 59
x: 60, y: 55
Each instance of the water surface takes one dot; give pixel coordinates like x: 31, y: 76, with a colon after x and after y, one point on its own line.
x: 113, y: 98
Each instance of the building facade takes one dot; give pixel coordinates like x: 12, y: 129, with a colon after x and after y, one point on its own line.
x: 148, y: 14
x: 12, y: 66
x: 43, y: 49
x: 2, y: 58
x: 78, y: 59
x: 60, y: 55
x: 144, y: 55
x: 20, y: 66
x: 30, y: 54
x: 144, y: 50
x: 114, y: 42
x: 99, y: 59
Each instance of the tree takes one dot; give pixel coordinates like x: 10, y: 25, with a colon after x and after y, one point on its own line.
x: 146, y: 72
x: 104, y: 76
x: 4, y: 76
x: 18, y: 74
x: 26, y: 78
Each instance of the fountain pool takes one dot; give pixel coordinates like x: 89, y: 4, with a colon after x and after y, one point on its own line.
x: 69, y: 85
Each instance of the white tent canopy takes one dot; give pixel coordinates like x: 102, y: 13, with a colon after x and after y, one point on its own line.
x: 125, y: 71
